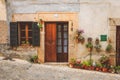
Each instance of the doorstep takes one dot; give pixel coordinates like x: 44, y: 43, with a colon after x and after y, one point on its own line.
x: 56, y: 63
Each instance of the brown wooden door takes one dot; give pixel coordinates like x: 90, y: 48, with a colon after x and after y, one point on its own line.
x: 62, y: 42
x: 56, y: 42
x: 50, y: 42
x: 118, y: 45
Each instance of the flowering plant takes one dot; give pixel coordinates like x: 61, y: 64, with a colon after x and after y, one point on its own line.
x: 79, y: 36
x: 39, y: 24
x: 80, y: 31
x: 97, y: 45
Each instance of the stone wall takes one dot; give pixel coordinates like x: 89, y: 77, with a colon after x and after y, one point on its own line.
x: 2, y: 10
x: 3, y: 23
x: 3, y: 32
x: 21, y: 52
x: 93, y: 17
x: 33, y: 6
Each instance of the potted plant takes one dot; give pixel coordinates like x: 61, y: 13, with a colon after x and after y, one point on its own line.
x: 109, y: 47
x: 77, y: 63
x: 98, y: 66
x: 117, y: 69
x: 104, y: 60
x: 34, y: 59
x: 40, y: 24
x: 87, y: 64
x: 97, y: 45
x: 89, y: 44
x: 72, y: 62
x: 79, y: 37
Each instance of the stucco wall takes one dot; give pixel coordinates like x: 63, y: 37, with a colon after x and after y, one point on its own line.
x: 94, y: 21
x: 3, y: 23
x: 70, y: 17
x: 33, y: 6
x: 2, y: 10
x: 94, y: 16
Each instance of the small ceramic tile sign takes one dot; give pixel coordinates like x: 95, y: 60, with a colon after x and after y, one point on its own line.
x: 103, y: 37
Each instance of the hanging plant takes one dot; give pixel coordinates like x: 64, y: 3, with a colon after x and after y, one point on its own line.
x: 79, y: 37
x: 89, y: 45
x: 97, y: 45
x: 39, y: 24
x: 109, y: 47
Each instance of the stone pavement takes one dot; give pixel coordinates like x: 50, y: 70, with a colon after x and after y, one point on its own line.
x: 23, y: 70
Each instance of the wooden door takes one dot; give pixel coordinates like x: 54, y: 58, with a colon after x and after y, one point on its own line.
x: 118, y: 45
x: 50, y: 42
x: 62, y: 42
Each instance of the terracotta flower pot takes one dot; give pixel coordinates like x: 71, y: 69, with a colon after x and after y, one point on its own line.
x: 104, y: 69
x: 97, y: 69
x: 71, y: 65
x: 92, y: 68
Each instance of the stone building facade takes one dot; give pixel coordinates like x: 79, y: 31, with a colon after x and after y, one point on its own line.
x: 97, y: 18
x: 3, y: 23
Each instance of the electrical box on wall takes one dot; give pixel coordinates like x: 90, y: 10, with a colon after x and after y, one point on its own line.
x: 103, y: 37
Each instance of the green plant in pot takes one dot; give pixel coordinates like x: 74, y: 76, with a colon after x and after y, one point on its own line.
x: 72, y: 62
x: 117, y: 69
x: 109, y: 47
x: 97, y: 45
x: 79, y: 37
x: 40, y: 24
x: 89, y: 44
x: 98, y: 66
x: 105, y: 61
x: 34, y: 59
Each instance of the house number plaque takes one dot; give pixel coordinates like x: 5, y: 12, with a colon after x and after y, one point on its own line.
x: 103, y: 37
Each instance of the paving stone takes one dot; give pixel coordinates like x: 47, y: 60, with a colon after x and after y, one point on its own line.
x: 23, y: 70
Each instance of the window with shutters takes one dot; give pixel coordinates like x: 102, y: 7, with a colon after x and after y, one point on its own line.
x: 24, y: 33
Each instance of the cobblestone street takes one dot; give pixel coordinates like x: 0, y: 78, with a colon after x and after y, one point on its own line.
x: 23, y: 70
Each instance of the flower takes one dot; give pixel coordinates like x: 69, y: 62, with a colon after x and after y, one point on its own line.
x: 80, y: 31
x: 79, y: 36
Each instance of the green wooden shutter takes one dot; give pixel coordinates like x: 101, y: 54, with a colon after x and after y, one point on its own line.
x: 13, y: 34
x: 35, y: 34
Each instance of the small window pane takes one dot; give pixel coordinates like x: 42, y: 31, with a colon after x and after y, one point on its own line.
x: 65, y: 35
x: 30, y: 33
x: 65, y: 49
x: 65, y: 42
x: 59, y: 42
x: 65, y: 28
x: 59, y: 50
x: 22, y: 33
x: 59, y: 27
x: 59, y: 34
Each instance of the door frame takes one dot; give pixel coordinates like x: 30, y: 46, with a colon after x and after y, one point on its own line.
x: 56, y: 38
x: 117, y: 52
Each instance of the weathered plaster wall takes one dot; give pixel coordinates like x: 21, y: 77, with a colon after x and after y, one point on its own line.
x: 70, y: 17
x: 2, y: 10
x: 3, y: 23
x: 33, y: 6
x: 94, y: 16
x: 94, y: 21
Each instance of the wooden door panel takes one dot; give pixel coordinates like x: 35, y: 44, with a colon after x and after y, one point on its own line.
x: 50, y: 42
x: 118, y: 45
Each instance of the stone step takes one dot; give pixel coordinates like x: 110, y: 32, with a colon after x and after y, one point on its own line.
x: 57, y: 63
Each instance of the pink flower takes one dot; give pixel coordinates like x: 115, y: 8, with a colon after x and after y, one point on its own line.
x: 80, y: 31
